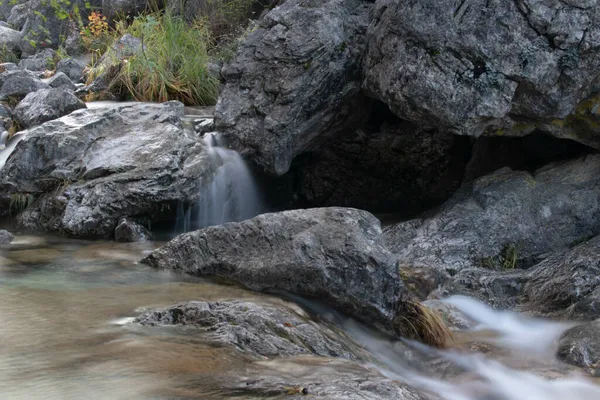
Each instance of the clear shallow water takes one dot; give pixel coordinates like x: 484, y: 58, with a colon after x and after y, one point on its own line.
x: 65, y: 333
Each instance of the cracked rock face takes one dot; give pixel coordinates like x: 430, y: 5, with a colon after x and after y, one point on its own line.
x: 484, y: 66
x: 82, y: 173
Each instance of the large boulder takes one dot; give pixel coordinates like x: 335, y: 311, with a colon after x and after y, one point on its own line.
x: 266, y: 330
x: 506, y: 219
x: 73, y: 68
x: 293, y: 80
x: 45, y: 105
x: 581, y: 346
x: 481, y: 67
x: 9, y: 39
x: 18, y: 15
x: 40, y: 61
x: 18, y: 84
x: 335, y: 255
x: 93, y: 167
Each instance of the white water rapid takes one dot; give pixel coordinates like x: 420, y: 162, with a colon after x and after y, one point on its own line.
x: 7, y: 146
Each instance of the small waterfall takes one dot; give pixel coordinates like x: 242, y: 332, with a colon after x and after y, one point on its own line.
x: 232, y: 196
x: 7, y: 146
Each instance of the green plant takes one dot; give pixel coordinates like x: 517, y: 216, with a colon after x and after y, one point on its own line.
x: 415, y: 321
x: 20, y: 202
x: 172, y: 64
x: 506, y: 260
x: 95, y: 34
x: 7, y: 55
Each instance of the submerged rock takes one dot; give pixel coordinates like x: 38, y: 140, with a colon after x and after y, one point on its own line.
x: 87, y: 170
x: 292, y: 80
x: 5, y: 237
x: 45, y: 105
x: 505, y: 220
x: 265, y: 330
x: 130, y: 231
x: 496, y: 68
x: 335, y: 255
x: 581, y: 346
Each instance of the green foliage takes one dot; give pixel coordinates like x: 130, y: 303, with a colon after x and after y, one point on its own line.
x: 172, y: 64
x: 20, y: 202
x: 7, y: 55
x: 506, y: 260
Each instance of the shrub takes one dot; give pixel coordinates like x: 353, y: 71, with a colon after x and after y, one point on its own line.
x: 172, y: 64
x: 95, y: 33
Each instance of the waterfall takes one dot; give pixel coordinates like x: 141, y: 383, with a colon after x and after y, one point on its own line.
x: 7, y: 146
x: 232, y: 195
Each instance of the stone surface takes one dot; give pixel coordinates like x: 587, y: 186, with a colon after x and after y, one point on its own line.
x: 581, y: 345
x: 93, y: 167
x: 45, y: 105
x: 265, y: 330
x: 40, y: 61
x: 115, y: 8
x: 18, y: 15
x: 61, y: 81
x: 481, y: 67
x: 293, y: 80
x: 18, y: 84
x: 505, y: 220
x: 5, y: 237
x: 130, y: 231
x: 9, y: 38
x: 333, y: 254
x: 72, y: 68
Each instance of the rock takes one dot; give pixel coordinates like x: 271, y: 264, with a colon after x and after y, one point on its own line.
x: 5, y: 24
x: 6, y: 120
x: 40, y: 61
x: 499, y: 68
x: 9, y: 38
x: 293, y: 80
x: 18, y: 84
x: 18, y: 15
x: 45, y: 105
x: 323, y: 378
x: 114, y: 8
x: 61, y: 81
x: 333, y: 254
x: 8, y: 66
x: 93, y: 167
x: 5, y: 237
x: 581, y: 345
x: 260, y: 329
x: 131, y: 231
x: 505, y: 220
x: 73, y: 68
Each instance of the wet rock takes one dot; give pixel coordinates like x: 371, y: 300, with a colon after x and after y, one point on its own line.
x: 45, y: 105
x: 8, y: 66
x: 131, y: 231
x: 581, y: 346
x: 321, y: 379
x: 62, y: 81
x: 18, y: 84
x: 460, y: 66
x: 93, y: 167
x: 293, y: 80
x: 265, y: 330
x: 5, y: 237
x: 505, y: 220
x: 333, y: 254
x: 40, y: 61
x: 72, y: 68
x: 9, y: 38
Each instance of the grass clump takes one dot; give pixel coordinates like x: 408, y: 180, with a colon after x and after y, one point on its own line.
x: 7, y: 55
x: 508, y: 259
x: 172, y: 63
x: 415, y: 321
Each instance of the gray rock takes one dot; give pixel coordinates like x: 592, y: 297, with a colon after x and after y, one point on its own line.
x: 581, y: 345
x: 5, y: 24
x: 480, y: 67
x: 45, y: 105
x: 265, y: 330
x: 292, y: 80
x: 93, y: 167
x: 5, y: 237
x: 333, y: 254
x: 18, y: 15
x: 114, y: 8
x: 61, y: 81
x: 8, y: 66
x: 40, y: 61
x: 18, y: 84
x: 505, y: 220
x: 6, y: 6
x: 72, y: 68
x: 9, y: 38
x: 130, y: 231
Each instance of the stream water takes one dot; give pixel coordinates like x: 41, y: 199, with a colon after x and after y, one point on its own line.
x: 65, y: 322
